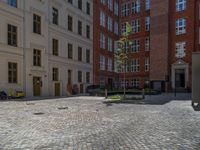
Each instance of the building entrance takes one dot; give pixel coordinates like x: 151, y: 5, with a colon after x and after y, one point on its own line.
x: 37, y: 83
x: 180, y: 78
x: 57, y: 89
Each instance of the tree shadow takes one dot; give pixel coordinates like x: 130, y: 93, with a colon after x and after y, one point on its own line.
x: 160, y: 99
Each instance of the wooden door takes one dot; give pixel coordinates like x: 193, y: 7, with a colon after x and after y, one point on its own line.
x: 36, y: 86
x: 57, y: 89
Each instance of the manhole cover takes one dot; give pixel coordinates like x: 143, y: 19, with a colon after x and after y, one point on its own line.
x: 39, y: 113
x: 30, y: 103
x: 61, y: 108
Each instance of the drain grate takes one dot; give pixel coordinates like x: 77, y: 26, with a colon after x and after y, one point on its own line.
x: 39, y: 113
x: 30, y: 103
x: 62, y: 108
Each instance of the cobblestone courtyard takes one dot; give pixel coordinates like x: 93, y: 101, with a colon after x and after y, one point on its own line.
x: 85, y: 123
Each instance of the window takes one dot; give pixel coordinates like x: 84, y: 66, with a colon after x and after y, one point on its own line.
x: 55, y: 47
x: 70, y: 23
x: 122, y: 83
x: 102, y: 41
x: 88, y: 8
x: 135, y: 65
x: 110, y: 5
x: 79, y: 27
x: 102, y: 82
x: 123, y: 27
x: 135, y: 83
x: 80, y: 4
x: 12, y: 72
x: 110, y: 24
x: 79, y: 53
x: 109, y: 64
x: 88, y: 31
x: 125, y: 9
x: 116, y: 8
x: 87, y: 56
x: 12, y: 3
x: 110, y: 44
x: 36, y: 57
x: 55, y: 74
x: 79, y: 76
x: 55, y: 16
x: 36, y: 24
x: 147, y: 4
x: 147, y: 44
x: 136, y: 26
x: 180, y: 5
x: 116, y: 28
x: 102, y: 62
x: 102, y: 19
x: 147, y: 64
x: 135, y: 45
x: 12, y: 35
x: 135, y: 6
x: 70, y: 1
x: 103, y: 2
x: 126, y: 66
x: 147, y: 23
x: 180, y: 49
x: 126, y: 47
x: 87, y: 77
x: 70, y: 51
x: 180, y: 26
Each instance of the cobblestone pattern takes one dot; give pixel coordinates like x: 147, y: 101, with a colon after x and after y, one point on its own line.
x: 88, y: 124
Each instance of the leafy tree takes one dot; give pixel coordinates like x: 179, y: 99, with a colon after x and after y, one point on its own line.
x: 121, y: 53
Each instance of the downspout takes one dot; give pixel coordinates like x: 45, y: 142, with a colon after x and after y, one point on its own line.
x: 24, y: 45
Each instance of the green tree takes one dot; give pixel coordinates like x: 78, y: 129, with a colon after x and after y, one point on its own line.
x: 121, y: 53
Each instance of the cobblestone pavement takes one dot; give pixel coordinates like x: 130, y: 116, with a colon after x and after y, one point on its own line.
x: 85, y: 123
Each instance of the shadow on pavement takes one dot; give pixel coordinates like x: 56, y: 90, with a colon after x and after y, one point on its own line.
x: 160, y: 99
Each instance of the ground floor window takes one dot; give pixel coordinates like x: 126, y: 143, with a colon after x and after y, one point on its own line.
x: 12, y: 72
x: 135, y: 83
x: 102, y: 82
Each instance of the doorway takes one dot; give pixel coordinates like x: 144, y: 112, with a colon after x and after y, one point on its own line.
x: 37, y: 84
x: 81, y: 88
x: 180, y: 78
x: 57, y: 89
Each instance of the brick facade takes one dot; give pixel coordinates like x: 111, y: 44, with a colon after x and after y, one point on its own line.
x: 106, y: 75
x: 167, y: 71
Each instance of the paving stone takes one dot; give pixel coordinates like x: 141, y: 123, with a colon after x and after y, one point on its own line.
x: 163, y: 122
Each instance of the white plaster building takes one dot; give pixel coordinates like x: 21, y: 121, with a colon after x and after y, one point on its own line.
x: 46, y: 46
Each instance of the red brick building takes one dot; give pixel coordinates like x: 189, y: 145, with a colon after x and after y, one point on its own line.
x: 106, y: 32
x: 164, y: 35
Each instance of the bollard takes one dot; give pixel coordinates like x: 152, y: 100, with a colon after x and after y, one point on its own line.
x: 106, y: 94
x: 143, y: 94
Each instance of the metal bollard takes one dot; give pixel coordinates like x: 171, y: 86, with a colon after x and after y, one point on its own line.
x: 106, y: 93
x: 143, y: 94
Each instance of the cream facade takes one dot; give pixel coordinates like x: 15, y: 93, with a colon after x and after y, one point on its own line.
x: 44, y: 68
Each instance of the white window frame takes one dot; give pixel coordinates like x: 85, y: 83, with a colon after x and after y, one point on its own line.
x: 180, y: 26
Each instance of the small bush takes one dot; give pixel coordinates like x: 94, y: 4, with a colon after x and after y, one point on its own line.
x: 115, y: 97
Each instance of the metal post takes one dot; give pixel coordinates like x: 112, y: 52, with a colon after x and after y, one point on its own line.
x: 106, y: 94
x: 175, y: 89
x: 143, y: 94
x: 124, y: 81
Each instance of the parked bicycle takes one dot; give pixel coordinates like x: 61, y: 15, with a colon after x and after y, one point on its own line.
x: 3, y: 95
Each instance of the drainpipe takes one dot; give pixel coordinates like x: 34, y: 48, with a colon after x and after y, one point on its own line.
x: 24, y: 45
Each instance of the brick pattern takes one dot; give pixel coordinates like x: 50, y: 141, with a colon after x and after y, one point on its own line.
x: 97, y: 50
